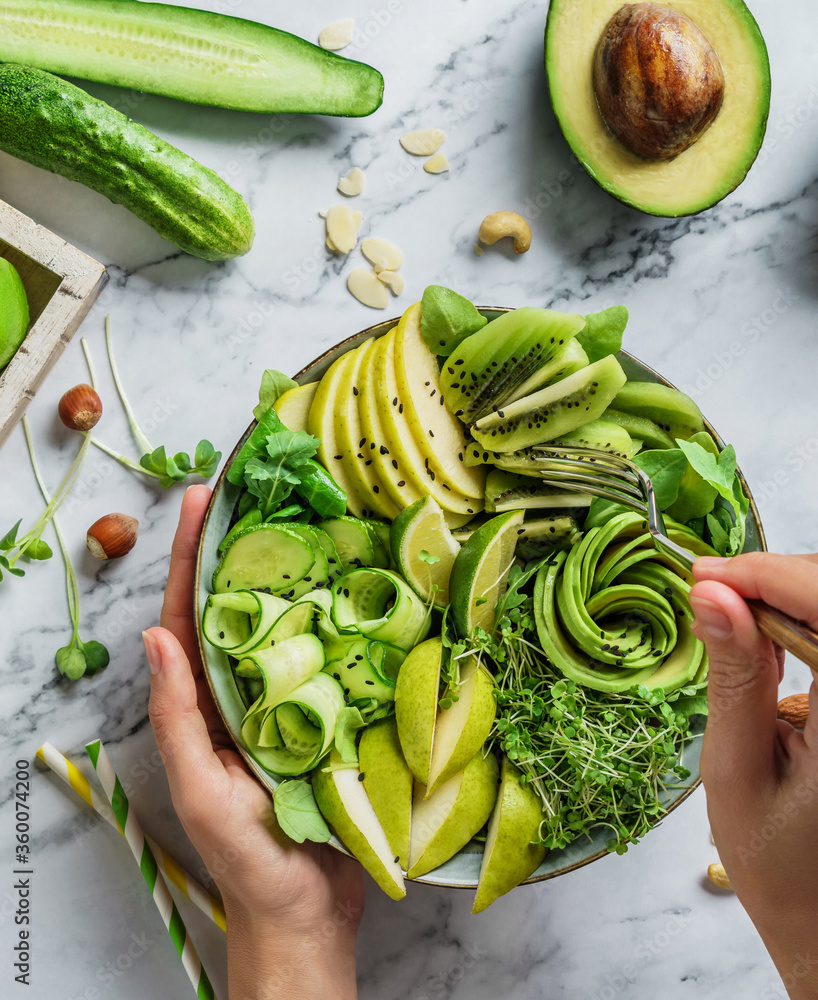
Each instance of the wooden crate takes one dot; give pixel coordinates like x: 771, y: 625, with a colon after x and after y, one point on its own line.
x: 61, y: 284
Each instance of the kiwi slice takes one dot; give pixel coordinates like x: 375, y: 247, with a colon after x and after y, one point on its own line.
x: 485, y: 370
x: 513, y: 491
x: 643, y: 428
x: 569, y: 360
x: 602, y: 435
x: 554, y: 411
x: 672, y: 410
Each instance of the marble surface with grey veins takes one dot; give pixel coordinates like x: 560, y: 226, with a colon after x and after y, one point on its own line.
x: 722, y: 303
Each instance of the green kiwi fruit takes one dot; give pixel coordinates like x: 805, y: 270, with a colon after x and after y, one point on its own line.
x: 672, y: 410
x: 554, y: 411
x: 486, y: 369
x: 569, y: 360
x: 515, y: 491
x: 647, y: 430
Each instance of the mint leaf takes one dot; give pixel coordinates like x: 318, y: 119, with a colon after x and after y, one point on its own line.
x: 666, y: 468
x: 273, y: 385
x: 347, y: 724
x: 602, y: 333
x: 298, y: 814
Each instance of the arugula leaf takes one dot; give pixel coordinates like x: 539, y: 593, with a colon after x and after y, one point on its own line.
x: 602, y: 333
x: 298, y: 814
x: 255, y: 446
x: 666, y: 468
x: 273, y: 478
x: 273, y: 385
x: 347, y: 724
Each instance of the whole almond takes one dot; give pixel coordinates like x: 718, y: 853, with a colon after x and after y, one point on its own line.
x: 794, y: 709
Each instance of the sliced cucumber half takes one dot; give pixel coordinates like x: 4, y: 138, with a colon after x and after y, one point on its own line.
x: 264, y: 557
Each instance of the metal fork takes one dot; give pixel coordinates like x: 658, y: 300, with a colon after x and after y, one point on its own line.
x: 586, y: 470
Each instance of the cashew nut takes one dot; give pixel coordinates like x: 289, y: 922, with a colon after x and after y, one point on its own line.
x: 500, y: 224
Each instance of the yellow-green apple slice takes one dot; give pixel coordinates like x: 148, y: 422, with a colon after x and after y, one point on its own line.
x: 344, y: 804
x: 293, y: 406
x: 437, y: 431
x: 416, y: 693
x: 445, y: 821
x: 388, y: 783
x: 509, y: 856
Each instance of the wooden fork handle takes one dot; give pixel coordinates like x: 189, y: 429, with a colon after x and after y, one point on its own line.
x: 796, y: 637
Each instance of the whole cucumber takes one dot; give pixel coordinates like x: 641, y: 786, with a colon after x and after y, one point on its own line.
x: 59, y: 127
x: 193, y: 55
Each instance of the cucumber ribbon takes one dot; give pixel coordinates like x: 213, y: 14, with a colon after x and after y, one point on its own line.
x: 613, y: 613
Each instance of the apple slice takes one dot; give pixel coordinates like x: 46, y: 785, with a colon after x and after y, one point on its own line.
x: 388, y: 783
x: 343, y: 801
x: 293, y: 406
x: 446, y: 820
x: 416, y: 690
x: 321, y: 424
x: 460, y: 731
x: 509, y: 857
x: 439, y: 434
x: 354, y: 445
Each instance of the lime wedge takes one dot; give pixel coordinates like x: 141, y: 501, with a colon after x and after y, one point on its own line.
x: 480, y: 573
x: 424, y: 549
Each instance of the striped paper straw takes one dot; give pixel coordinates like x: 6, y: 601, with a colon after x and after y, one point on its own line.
x: 150, y: 872
x: 168, y: 865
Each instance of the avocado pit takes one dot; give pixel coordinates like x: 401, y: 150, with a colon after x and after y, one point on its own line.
x: 658, y: 81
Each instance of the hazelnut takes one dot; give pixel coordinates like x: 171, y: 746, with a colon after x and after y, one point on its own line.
x: 80, y: 408
x: 658, y: 81
x: 112, y: 536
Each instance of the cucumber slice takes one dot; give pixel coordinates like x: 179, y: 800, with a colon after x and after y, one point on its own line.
x: 319, y: 574
x: 379, y: 604
x: 264, y: 557
x: 379, y: 533
x: 365, y: 669
x: 352, y: 539
x: 191, y: 55
x: 228, y: 620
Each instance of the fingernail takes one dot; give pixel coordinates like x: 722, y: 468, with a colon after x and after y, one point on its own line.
x: 711, y: 619
x: 710, y: 562
x: 152, y: 652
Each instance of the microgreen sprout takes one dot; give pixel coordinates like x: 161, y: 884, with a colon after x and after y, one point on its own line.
x: 594, y: 759
x: 77, y: 658
x: 154, y: 461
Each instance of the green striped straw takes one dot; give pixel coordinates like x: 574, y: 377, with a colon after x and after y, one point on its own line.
x: 150, y: 870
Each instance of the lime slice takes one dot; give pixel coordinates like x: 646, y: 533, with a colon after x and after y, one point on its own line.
x: 480, y: 572
x: 424, y: 549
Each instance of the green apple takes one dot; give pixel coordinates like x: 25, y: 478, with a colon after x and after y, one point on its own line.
x: 293, y: 406
x: 344, y: 804
x: 446, y: 820
x: 509, y: 856
x: 354, y: 443
x: 416, y: 691
x: 460, y: 731
x: 388, y: 783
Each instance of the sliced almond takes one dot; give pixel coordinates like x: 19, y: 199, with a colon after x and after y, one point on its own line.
x: 337, y: 35
x: 323, y: 213
x: 353, y: 183
x: 331, y: 246
x: 384, y: 255
x: 437, y: 164
x: 366, y: 288
x: 342, y: 229
x: 424, y: 141
x: 356, y: 218
x: 393, y: 280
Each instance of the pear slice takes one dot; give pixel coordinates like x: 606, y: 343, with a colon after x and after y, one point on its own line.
x: 344, y: 804
x: 509, y: 857
x: 388, y: 783
x: 438, y: 433
x: 354, y: 445
x: 460, y: 731
x: 293, y: 406
x: 416, y: 690
x: 446, y: 820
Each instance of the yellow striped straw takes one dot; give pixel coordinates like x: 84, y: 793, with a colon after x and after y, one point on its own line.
x: 169, y: 866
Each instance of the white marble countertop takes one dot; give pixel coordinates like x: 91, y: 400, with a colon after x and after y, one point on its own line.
x: 723, y: 304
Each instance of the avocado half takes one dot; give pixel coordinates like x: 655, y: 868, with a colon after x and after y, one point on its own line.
x: 714, y: 165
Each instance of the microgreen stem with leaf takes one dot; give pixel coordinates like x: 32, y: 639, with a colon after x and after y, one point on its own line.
x: 154, y: 462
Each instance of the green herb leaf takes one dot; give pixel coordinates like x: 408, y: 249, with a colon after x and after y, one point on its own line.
x: 347, y: 724
x: 602, y: 333
x: 298, y: 814
x: 9, y: 540
x: 70, y: 662
x: 426, y: 557
x: 446, y: 319
x: 273, y: 385
x: 97, y: 656
x: 666, y: 468
x: 38, y: 549
x: 273, y: 478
